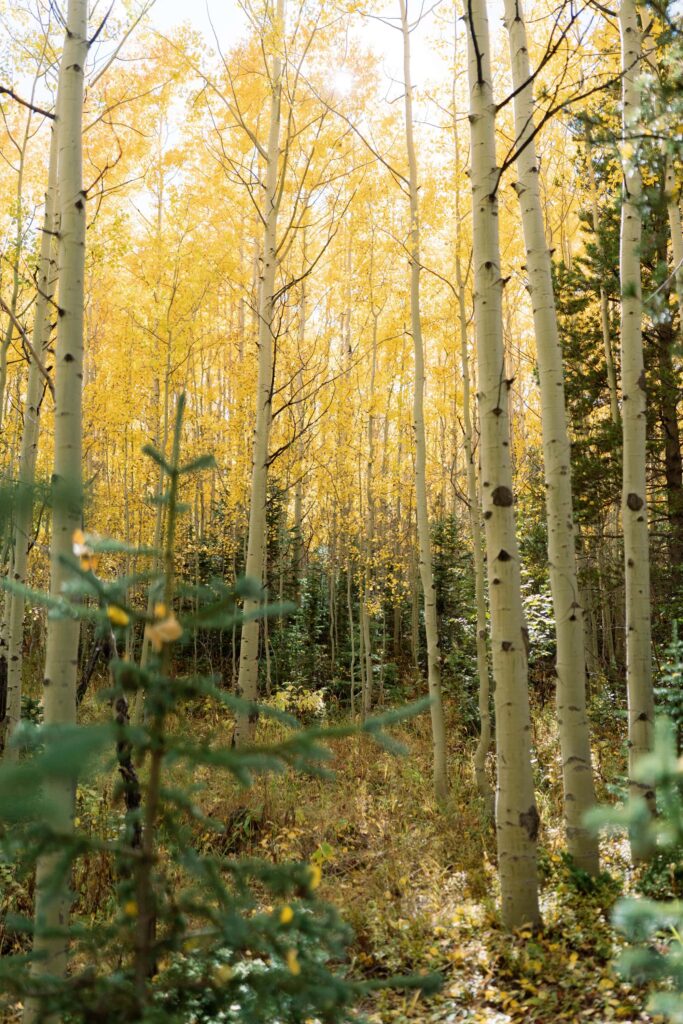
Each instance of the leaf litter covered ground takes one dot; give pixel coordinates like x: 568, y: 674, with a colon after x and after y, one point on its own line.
x: 418, y: 885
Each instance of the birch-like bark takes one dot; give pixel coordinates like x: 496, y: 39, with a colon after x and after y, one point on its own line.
x: 634, y: 418
x: 369, y: 536
x: 517, y: 819
x: 673, y: 209
x: 440, y: 768
x: 6, y: 598
x: 47, y: 281
x: 484, y: 745
x: 61, y: 660
x: 247, y: 682
x: 577, y: 771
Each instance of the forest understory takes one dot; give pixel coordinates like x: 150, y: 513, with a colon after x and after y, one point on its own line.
x: 416, y: 880
x: 341, y: 511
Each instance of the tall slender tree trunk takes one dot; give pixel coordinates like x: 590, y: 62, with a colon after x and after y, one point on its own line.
x: 247, y: 682
x: 352, y: 635
x: 423, y: 530
x: 61, y: 661
x: 47, y: 281
x: 484, y: 745
x: 369, y: 534
x: 299, y: 547
x: 6, y: 598
x: 634, y: 419
x: 577, y: 771
x: 670, y: 374
x: 517, y: 819
x: 673, y: 209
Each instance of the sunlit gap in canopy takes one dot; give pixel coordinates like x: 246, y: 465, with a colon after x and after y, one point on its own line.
x: 342, y: 82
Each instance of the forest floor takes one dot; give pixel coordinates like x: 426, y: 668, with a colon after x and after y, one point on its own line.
x: 417, y: 882
x: 418, y: 885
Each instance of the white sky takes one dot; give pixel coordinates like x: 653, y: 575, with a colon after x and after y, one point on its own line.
x: 229, y: 24
x: 225, y: 15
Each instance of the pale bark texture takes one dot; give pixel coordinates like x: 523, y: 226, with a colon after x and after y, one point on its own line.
x: 517, y: 819
x: 634, y: 419
x: 440, y: 768
x: 23, y: 519
x: 673, y: 198
x: 577, y: 772
x: 484, y: 691
x: 61, y: 660
x: 247, y: 682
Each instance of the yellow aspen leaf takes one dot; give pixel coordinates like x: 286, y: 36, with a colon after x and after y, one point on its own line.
x: 223, y: 974
x: 117, y: 616
x: 130, y: 908
x: 164, y: 632
x: 293, y: 962
x: 286, y: 915
x: 315, y: 875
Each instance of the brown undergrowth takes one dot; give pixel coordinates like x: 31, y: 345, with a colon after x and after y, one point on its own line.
x: 417, y: 882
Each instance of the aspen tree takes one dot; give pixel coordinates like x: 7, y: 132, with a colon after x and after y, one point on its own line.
x: 422, y: 512
x: 47, y: 280
x: 517, y: 819
x: 369, y: 535
x: 673, y: 209
x: 61, y: 659
x: 11, y: 309
x: 634, y: 417
x: 247, y: 682
x: 577, y: 772
x: 484, y: 744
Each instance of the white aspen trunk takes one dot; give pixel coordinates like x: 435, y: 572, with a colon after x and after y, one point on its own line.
x: 299, y: 548
x: 577, y: 771
x: 47, y: 281
x: 604, y: 308
x: 365, y: 654
x: 484, y: 745
x: 6, y: 598
x: 634, y: 419
x: 673, y: 193
x: 247, y: 682
x: 517, y: 819
x: 16, y: 276
x: 440, y: 768
x: 352, y: 669
x: 414, y: 607
x: 369, y: 538
x: 61, y: 660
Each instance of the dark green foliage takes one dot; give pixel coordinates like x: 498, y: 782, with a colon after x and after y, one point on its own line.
x: 669, y: 692
x: 456, y: 607
x: 655, y: 926
x: 596, y: 441
x: 186, y: 932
